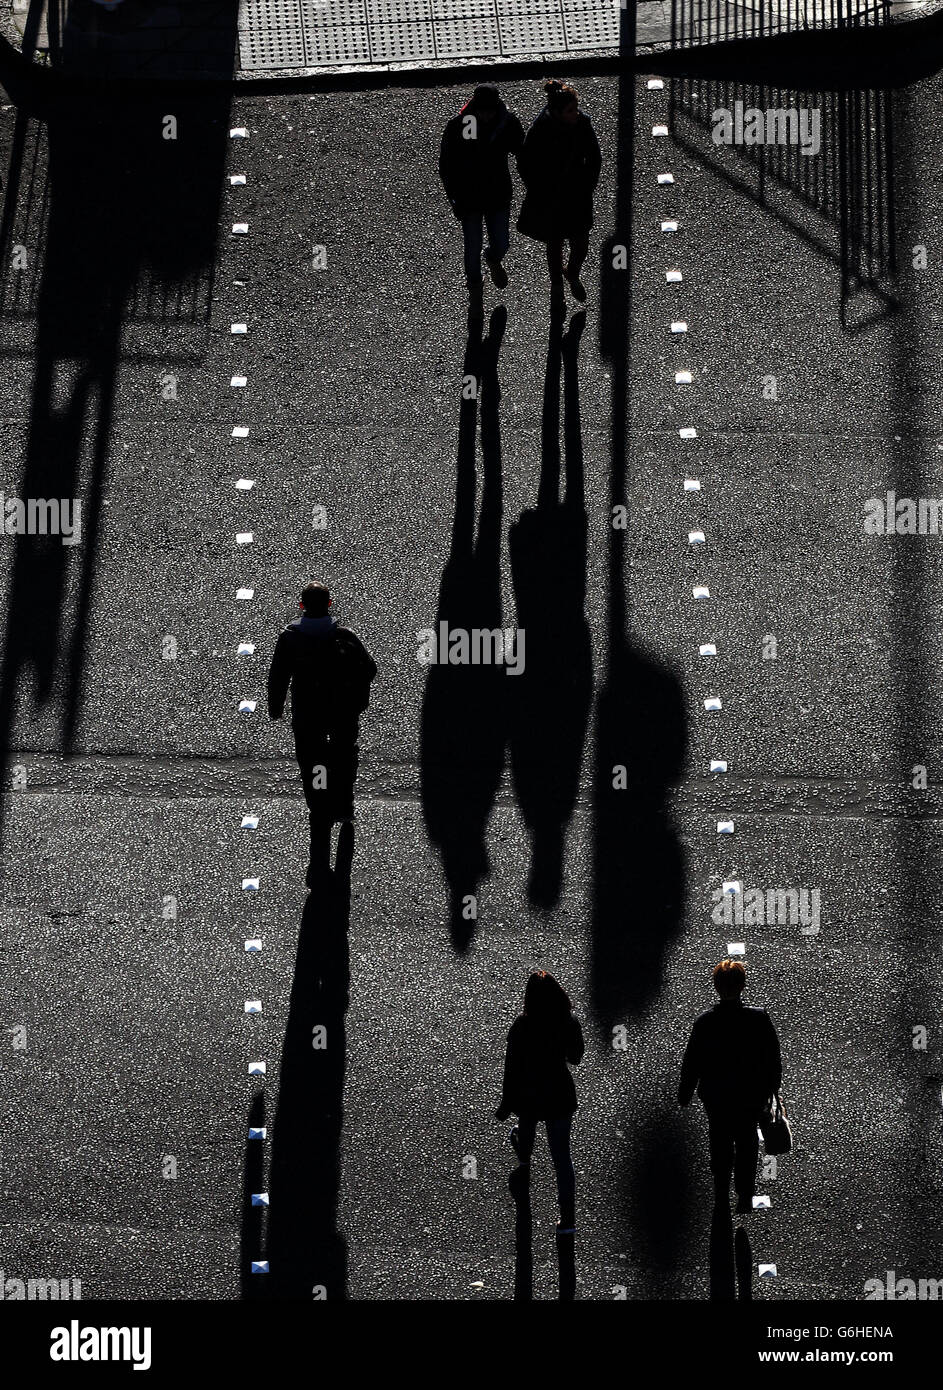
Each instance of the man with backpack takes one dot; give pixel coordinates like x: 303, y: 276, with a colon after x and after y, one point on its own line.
x: 329, y: 671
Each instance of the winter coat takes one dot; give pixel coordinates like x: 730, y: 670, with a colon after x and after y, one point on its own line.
x: 537, y: 1081
x: 560, y: 166
x: 475, y: 173
x: 329, y: 671
x: 733, y: 1059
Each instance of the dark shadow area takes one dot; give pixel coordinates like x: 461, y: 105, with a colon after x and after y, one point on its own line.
x: 566, y: 1266
x: 661, y: 1200
x: 549, y: 701
x: 523, y: 1236
x: 838, y: 201
x: 119, y: 224
x: 743, y: 1262
x: 723, y: 1279
x: 641, y: 732
x: 464, y: 709
x: 305, y: 1250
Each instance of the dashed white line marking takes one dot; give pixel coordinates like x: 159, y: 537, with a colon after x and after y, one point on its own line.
x: 237, y: 179
x: 257, y: 1133
x: 707, y: 649
x: 736, y: 948
x: 725, y: 827
x: 666, y: 178
x: 249, y: 822
x: 243, y: 595
x: 718, y: 765
x: 240, y: 229
x: 239, y: 132
x: 247, y: 706
x: 696, y: 538
x: 688, y: 432
x: 245, y: 484
x: 253, y: 946
x: 251, y: 885
x: 679, y: 326
x: 244, y: 538
x: 673, y: 277
x: 713, y: 702
x: 238, y: 381
x: 253, y: 1006
x: 240, y: 431
x: 683, y: 378
x: 692, y: 484
x: 701, y: 591
x: 245, y: 649
x: 655, y: 84
x: 669, y: 226
x: 256, y: 1068
x: 239, y: 328
x: 658, y: 130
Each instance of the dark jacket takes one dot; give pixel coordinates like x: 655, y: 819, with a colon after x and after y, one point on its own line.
x: 560, y: 166
x: 475, y: 173
x: 329, y: 671
x: 732, y: 1057
x: 537, y: 1081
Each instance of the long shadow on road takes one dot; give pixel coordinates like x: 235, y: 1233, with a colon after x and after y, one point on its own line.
x: 464, y: 710
x: 307, y: 1254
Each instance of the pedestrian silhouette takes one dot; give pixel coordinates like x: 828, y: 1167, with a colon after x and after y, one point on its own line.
x: 538, y: 1086
x: 559, y: 165
x: 733, y: 1060
x: 473, y: 167
x: 329, y: 672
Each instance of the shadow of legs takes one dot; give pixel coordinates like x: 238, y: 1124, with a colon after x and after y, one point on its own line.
x: 519, y: 1183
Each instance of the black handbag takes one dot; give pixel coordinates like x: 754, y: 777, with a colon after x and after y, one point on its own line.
x: 775, y: 1128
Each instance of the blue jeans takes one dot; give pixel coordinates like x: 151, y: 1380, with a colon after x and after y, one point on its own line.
x: 499, y: 232
x: 558, y: 1141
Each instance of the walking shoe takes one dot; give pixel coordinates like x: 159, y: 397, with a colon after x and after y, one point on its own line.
x: 499, y: 275
x: 577, y: 288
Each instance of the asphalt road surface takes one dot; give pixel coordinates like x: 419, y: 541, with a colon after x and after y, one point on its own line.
x: 812, y: 344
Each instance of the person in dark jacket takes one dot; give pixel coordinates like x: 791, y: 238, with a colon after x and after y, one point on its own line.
x: 329, y: 672
x: 733, y: 1059
x: 473, y: 167
x: 538, y: 1085
x: 560, y: 165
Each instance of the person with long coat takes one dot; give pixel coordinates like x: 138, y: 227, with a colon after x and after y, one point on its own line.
x: 543, y: 1042
x: 559, y: 165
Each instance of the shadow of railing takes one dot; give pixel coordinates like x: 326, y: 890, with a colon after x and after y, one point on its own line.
x: 119, y: 224
x: 820, y: 162
x: 696, y: 22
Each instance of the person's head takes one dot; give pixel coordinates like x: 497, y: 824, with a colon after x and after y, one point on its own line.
x: 562, y: 101
x: 545, y: 999
x: 484, y: 103
x: 315, y: 600
x: 729, y: 978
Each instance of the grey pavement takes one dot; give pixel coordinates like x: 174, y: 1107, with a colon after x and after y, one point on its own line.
x: 124, y: 919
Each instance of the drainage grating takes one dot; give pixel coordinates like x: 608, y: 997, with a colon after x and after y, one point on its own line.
x: 272, y: 48
x: 466, y: 38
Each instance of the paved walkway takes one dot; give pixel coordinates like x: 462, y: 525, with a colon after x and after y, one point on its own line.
x: 255, y: 37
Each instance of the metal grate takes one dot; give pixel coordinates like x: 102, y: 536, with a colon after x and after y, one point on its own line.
x: 272, y: 48
x: 594, y: 28
x: 401, y: 43
x: 349, y: 43
x: 533, y: 33
x: 466, y: 38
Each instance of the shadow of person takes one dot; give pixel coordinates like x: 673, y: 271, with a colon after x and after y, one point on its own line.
x: 722, y: 1278
x: 551, y: 696
x: 519, y: 1184
x: 658, y: 1176
x: 743, y: 1259
x: 463, y: 709
x: 306, y: 1252
x: 566, y: 1264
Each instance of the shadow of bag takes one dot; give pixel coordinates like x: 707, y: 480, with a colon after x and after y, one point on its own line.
x: 775, y: 1128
